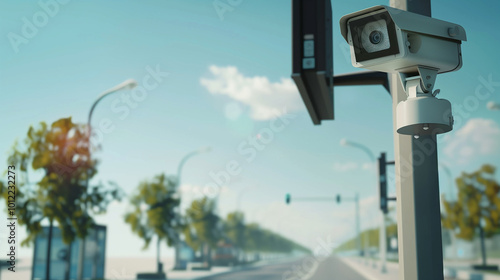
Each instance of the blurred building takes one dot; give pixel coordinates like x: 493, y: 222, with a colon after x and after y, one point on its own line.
x: 62, y: 254
x: 458, y: 248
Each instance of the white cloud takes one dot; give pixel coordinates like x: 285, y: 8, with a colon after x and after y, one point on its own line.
x: 477, y: 137
x: 265, y: 99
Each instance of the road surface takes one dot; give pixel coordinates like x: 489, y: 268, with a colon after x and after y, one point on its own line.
x: 308, y: 268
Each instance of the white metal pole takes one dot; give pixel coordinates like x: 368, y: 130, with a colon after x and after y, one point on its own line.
x: 358, y: 231
x: 179, y: 243
x: 417, y: 188
x: 383, y: 243
x: 345, y: 142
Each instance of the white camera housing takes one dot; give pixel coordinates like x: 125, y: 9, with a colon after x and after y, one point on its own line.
x: 392, y: 40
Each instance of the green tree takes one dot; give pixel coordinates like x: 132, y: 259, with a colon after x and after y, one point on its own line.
x: 258, y: 239
x: 60, y: 155
x: 254, y: 237
x: 154, y: 213
x: 478, y: 206
x: 234, y: 228
x: 205, y: 227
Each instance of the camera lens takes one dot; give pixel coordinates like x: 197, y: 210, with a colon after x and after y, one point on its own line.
x: 375, y: 37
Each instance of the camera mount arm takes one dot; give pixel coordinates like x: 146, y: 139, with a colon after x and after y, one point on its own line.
x: 362, y: 78
x: 427, y: 77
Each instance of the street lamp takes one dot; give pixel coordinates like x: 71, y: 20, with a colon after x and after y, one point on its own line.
x: 493, y: 106
x: 345, y: 142
x: 450, y: 178
x: 177, y: 265
x: 127, y: 84
x: 447, y: 171
x: 183, y: 162
x: 383, y: 268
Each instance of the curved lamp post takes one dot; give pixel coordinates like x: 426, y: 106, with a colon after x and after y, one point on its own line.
x: 127, y: 84
x: 177, y: 265
x: 448, y: 173
x: 185, y: 158
x: 450, y: 178
x: 345, y: 142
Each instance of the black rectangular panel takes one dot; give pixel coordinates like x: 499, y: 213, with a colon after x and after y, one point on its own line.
x: 312, y: 56
x: 382, y: 178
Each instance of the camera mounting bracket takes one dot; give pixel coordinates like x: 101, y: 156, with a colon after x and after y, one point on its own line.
x: 422, y: 113
x: 426, y: 78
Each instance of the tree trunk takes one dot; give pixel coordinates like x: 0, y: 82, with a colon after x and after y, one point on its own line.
x: 49, y: 247
x: 209, y: 256
x: 483, y: 249
x: 68, y: 262
x: 159, y: 264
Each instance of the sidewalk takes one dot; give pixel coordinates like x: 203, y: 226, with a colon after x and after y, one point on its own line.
x: 459, y: 270
x: 127, y: 269
x: 370, y: 271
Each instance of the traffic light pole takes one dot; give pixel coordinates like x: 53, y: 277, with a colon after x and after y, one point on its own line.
x: 382, y: 180
x: 417, y: 187
x: 288, y: 200
x: 358, y: 227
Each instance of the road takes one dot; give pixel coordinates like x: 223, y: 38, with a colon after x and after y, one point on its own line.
x: 328, y: 269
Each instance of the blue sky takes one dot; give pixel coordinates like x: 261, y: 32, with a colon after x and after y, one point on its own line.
x: 86, y: 47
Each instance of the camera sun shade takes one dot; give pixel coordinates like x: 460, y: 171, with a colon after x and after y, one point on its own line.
x: 390, y: 40
x: 373, y: 36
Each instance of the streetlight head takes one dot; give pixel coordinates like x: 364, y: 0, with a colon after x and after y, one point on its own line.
x: 130, y: 84
x: 127, y: 84
x: 343, y: 142
x: 493, y: 106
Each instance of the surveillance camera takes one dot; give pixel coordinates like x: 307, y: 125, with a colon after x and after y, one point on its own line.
x: 418, y: 48
x: 391, y: 40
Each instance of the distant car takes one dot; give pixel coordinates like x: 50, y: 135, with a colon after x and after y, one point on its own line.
x: 225, y: 255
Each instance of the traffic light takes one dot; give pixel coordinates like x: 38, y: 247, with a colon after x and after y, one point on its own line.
x: 382, y: 175
x: 288, y: 198
x: 312, y: 56
x: 338, y: 198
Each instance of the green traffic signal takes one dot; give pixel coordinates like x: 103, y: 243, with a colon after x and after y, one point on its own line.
x: 288, y: 198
